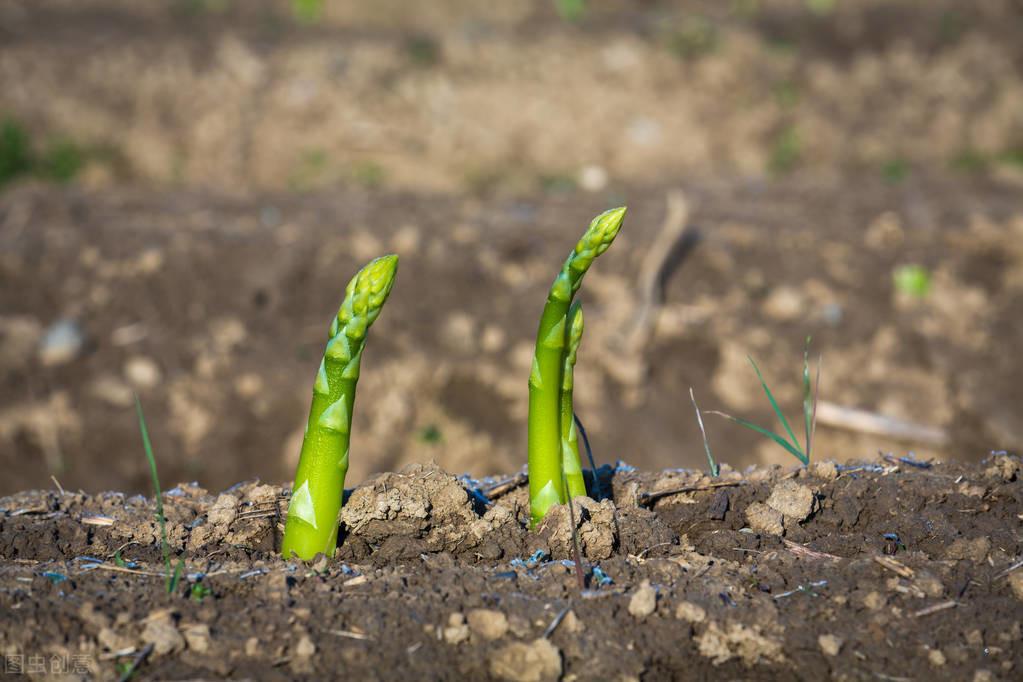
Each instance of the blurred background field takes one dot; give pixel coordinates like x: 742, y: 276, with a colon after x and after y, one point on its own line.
x: 187, y: 185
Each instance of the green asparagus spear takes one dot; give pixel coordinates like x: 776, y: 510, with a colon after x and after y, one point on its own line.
x: 320, y: 479
x: 571, y: 462
x: 545, y: 461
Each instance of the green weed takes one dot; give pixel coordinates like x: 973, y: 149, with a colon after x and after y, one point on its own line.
x: 60, y: 160
x: 15, y: 151
x: 786, y: 151
x: 171, y: 577
x: 570, y: 10
x: 307, y: 11
x: 895, y: 171
x: 810, y: 390
x: 913, y: 280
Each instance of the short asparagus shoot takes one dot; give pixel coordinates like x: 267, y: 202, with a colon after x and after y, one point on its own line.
x: 316, y: 497
x: 547, y: 484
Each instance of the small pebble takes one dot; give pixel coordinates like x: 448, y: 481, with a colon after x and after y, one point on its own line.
x: 1015, y: 580
x: 694, y: 613
x: 874, y: 601
x: 830, y: 644
x: 764, y: 519
x: 793, y: 500
x: 456, y: 631
x: 142, y: 372
x: 487, y: 623
x: 825, y: 470
x: 305, y: 647
x: 592, y: 178
x: 161, y: 632
x: 643, y: 601
x: 197, y: 637
x: 536, y: 661
x: 61, y: 343
x: 224, y: 511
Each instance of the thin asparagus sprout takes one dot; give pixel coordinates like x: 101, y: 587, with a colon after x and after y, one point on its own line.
x: 571, y: 462
x: 545, y: 459
x: 320, y: 479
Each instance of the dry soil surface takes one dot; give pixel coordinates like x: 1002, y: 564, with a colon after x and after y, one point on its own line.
x: 878, y: 570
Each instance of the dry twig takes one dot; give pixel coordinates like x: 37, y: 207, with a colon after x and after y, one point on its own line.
x: 807, y: 553
x: 853, y: 419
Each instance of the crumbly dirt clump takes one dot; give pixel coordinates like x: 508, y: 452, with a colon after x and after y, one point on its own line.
x: 875, y: 569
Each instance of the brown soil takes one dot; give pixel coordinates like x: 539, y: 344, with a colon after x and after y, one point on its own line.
x: 226, y: 303
x: 883, y: 570
x: 240, y: 164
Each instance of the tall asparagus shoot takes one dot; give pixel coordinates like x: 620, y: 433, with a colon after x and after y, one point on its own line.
x: 571, y: 462
x: 320, y: 479
x: 546, y: 465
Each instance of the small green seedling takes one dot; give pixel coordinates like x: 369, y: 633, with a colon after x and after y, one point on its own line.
x: 172, y: 577
x: 200, y: 592
x: 549, y: 434
x: 791, y: 444
x: 316, y: 497
x: 570, y: 10
x: 913, y: 280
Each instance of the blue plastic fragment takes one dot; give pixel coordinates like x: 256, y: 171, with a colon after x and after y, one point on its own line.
x: 347, y: 570
x: 88, y: 559
x: 54, y: 577
x: 600, y: 577
x: 534, y: 559
x: 249, y: 574
x: 874, y: 468
x: 911, y: 460
x: 623, y: 467
x: 473, y: 488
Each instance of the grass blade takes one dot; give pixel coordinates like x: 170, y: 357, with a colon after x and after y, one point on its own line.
x: 714, y: 470
x: 794, y: 449
x: 774, y: 406
x: 172, y: 586
x: 159, y: 495
x: 813, y: 416
x: 808, y: 398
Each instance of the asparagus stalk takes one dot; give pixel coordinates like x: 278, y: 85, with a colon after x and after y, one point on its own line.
x: 320, y: 479
x: 571, y: 462
x: 545, y: 460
